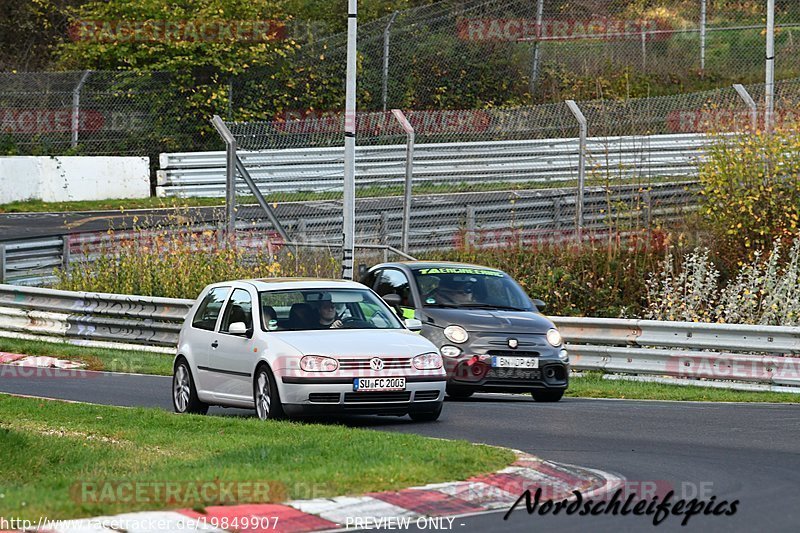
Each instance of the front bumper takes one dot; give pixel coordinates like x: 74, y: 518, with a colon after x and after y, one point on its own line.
x: 319, y: 396
x: 472, y: 370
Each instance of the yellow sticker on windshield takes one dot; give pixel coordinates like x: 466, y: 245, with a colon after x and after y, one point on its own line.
x: 475, y: 271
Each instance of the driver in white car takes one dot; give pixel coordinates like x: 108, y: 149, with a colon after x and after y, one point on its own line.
x: 327, y: 315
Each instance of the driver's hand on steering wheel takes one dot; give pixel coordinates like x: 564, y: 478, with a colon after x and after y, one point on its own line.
x: 336, y: 323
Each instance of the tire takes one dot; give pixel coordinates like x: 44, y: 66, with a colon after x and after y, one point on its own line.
x: 184, y: 393
x: 455, y: 391
x: 426, y: 416
x: 266, y: 396
x: 547, y: 395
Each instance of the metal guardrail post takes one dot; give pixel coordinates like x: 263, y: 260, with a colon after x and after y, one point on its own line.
x: 537, y: 47
x: 471, y: 226
x: 2, y: 262
x: 584, y: 133
x: 751, y: 104
x: 406, y: 125
x: 76, y: 108
x: 702, y: 37
x: 385, y: 81
x: 65, y: 254
x: 230, y: 174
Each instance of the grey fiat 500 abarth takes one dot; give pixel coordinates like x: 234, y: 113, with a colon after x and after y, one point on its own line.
x: 492, y: 337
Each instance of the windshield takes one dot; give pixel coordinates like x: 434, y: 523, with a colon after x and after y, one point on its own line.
x: 470, y: 287
x: 309, y: 309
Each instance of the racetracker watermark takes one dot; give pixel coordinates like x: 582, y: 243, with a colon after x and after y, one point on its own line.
x: 424, y: 122
x: 174, y: 31
x: 183, y: 493
x: 658, y: 507
x: 513, y: 29
x: 11, y: 371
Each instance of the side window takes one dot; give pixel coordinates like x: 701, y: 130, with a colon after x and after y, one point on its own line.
x: 369, y: 279
x: 207, y: 313
x: 239, y: 309
x: 395, y: 282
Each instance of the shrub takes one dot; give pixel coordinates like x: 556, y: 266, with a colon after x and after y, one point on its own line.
x: 604, y: 276
x: 764, y: 291
x: 751, y: 191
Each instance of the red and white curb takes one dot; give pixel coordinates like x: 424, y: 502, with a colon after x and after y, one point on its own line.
x: 398, y: 510
x: 38, y: 361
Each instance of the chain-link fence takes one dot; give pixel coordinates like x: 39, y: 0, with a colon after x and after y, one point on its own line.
x: 482, y: 177
x: 449, y: 55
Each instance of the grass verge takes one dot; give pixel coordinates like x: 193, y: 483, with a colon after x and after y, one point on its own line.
x: 104, y: 359
x: 592, y: 385
x: 60, y: 459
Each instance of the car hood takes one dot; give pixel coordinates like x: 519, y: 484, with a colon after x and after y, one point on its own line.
x: 477, y: 320
x: 358, y: 343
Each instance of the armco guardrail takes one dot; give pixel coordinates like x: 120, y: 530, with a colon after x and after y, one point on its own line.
x: 527, y: 161
x: 93, y: 319
x: 727, y: 355
x: 765, y: 357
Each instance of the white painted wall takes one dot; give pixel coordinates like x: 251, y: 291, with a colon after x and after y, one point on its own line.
x: 69, y: 178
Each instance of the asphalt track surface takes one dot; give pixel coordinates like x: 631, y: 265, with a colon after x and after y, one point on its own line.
x: 745, y: 452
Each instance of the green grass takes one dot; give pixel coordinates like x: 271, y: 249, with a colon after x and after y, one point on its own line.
x: 53, y: 450
x: 126, y: 361
x: 592, y: 385
x: 38, y: 206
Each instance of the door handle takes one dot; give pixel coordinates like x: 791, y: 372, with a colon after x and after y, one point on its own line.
x: 214, y: 344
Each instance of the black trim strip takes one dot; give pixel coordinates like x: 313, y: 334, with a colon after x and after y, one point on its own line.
x: 229, y: 372
x: 349, y: 134
x: 349, y: 381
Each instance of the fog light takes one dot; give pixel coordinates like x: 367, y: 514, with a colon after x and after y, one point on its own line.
x: 450, y: 351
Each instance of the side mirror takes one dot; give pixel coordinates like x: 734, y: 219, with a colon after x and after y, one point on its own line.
x: 413, y: 324
x: 238, y: 328
x: 540, y: 305
x: 392, y: 299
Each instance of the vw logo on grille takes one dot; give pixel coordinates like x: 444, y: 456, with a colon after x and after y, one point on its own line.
x: 513, y: 343
x: 376, y: 363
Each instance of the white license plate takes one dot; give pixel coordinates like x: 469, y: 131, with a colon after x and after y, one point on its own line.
x: 515, y: 362
x: 373, y: 384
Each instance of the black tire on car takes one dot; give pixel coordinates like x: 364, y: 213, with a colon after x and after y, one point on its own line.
x: 184, y: 393
x: 426, y: 416
x: 547, y: 395
x: 265, y: 395
x: 455, y: 391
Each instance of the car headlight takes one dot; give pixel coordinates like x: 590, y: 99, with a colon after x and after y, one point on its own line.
x: 428, y: 361
x: 563, y: 355
x: 450, y: 351
x: 456, y: 334
x: 318, y: 363
x: 554, y: 337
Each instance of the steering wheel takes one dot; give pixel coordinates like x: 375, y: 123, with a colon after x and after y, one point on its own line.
x: 354, y: 322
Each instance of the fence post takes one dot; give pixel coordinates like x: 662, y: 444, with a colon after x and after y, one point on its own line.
x: 769, y: 99
x: 2, y: 262
x: 537, y: 50
x: 584, y: 133
x: 65, y: 255
x: 702, y: 37
x: 385, y: 80
x: 751, y: 104
x: 401, y: 118
x: 76, y: 108
x: 230, y: 175
x: 470, y: 237
x: 644, y: 49
x: 647, y: 200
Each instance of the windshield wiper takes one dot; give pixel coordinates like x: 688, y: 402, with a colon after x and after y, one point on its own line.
x: 493, y: 306
x: 444, y: 306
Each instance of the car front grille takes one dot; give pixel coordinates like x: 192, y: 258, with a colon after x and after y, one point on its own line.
x: 513, y: 373
x: 389, y: 363
x: 377, y: 397
x: 324, y: 397
x: 426, y: 395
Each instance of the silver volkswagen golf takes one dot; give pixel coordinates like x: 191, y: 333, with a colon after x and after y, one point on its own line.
x: 290, y: 347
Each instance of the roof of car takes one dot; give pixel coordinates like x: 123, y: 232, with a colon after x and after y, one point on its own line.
x: 414, y: 265
x: 264, y: 284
